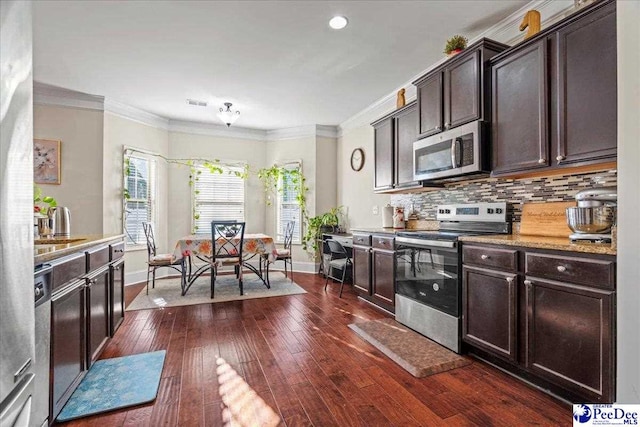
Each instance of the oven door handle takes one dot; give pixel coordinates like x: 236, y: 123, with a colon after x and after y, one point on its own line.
x: 422, y: 243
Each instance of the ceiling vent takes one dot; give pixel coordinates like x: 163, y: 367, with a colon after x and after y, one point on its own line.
x: 196, y: 103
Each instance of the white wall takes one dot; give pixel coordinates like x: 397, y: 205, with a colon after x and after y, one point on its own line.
x: 118, y: 133
x: 326, y: 174
x: 355, y: 189
x: 628, y: 337
x: 186, y: 145
x: 81, y: 133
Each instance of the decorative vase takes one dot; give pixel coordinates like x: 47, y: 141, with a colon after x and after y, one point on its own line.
x: 454, y: 52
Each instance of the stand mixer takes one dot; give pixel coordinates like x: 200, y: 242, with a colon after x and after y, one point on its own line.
x: 595, y: 215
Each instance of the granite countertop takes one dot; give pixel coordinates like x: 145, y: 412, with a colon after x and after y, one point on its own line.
x: 48, y: 252
x: 541, y: 242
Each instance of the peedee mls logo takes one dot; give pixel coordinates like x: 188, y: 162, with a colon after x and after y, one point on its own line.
x: 605, y: 415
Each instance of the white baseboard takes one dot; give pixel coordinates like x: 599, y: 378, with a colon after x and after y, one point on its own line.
x: 135, y: 277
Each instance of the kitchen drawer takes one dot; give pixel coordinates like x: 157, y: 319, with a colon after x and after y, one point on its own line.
x: 67, y: 269
x: 97, y: 257
x: 117, y: 251
x: 502, y: 259
x: 582, y: 271
x: 381, y: 242
x: 362, y: 239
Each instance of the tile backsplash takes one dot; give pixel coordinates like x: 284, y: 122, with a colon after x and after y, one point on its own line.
x: 513, y: 191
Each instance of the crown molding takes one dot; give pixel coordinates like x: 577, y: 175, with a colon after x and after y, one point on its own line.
x: 135, y: 114
x: 45, y: 94
x: 302, y: 132
x: 211, y: 129
x: 505, y: 31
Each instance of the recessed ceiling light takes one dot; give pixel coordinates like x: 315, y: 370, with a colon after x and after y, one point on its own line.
x: 338, y: 22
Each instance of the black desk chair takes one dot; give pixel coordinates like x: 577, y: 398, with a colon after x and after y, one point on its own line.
x: 156, y: 260
x: 339, y: 260
x: 226, y: 249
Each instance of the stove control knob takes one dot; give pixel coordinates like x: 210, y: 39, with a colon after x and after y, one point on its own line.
x: 447, y: 211
x: 489, y: 210
x: 499, y: 210
x: 441, y: 211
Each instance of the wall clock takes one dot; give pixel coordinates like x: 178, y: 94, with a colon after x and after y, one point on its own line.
x: 357, y: 159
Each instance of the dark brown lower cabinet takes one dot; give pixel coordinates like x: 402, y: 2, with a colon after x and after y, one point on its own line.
x: 570, y: 337
x: 383, y: 278
x: 548, y: 316
x: 116, y: 296
x: 97, y: 313
x: 374, y: 272
x: 489, y: 310
x: 68, y: 357
x: 362, y: 269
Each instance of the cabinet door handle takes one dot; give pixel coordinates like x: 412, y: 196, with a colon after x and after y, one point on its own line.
x: 561, y: 268
x: 116, y: 268
x: 438, y: 127
x: 447, y: 125
x: 560, y: 158
x: 485, y: 257
x: 118, y: 250
x: 542, y: 161
x: 528, y: 282
x: 90, y: 283
x: 509, y: 280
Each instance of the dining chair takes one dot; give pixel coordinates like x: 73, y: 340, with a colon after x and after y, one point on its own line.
x: 283, y: 254
x: 338, y: 260
x: 155, y: 260
x: 228, y: 241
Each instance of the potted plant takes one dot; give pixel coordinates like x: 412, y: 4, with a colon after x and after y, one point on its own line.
x: 324, y: 223
x: 455, y: 45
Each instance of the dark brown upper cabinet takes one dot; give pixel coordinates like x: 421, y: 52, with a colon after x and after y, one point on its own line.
x: 383, y: 143
x: 555, y: 96
x: 430, y: 105
x: 394, y: 136
x: 519, y: 115
x: 456, y: 92
x: 406, y: 133
x: 587, y: 88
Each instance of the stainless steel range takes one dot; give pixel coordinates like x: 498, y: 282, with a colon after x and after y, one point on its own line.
x: 428, y: 263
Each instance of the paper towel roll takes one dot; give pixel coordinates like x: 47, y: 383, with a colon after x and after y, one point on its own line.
x: 387, y: 216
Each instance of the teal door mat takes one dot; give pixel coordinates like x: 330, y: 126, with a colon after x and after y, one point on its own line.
x: 116, y: 383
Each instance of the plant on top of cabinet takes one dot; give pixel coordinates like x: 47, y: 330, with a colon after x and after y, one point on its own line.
x: 455, y: 45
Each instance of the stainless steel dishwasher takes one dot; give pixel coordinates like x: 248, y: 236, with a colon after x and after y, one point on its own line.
x: 42, y: 291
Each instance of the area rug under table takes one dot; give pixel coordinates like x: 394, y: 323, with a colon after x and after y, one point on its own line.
x: 418, y: 355
x: 116, y: 383
x: 167, y: 291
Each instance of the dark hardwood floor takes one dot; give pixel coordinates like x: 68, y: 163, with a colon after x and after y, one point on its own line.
x: 293, y: 361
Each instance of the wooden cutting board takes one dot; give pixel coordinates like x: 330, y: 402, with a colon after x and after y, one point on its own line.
x: 545, y: 219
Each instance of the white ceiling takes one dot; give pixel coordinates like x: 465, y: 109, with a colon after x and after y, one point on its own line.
x: 277, y: 61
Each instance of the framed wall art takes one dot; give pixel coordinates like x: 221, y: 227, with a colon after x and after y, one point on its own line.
x: 46, y: 161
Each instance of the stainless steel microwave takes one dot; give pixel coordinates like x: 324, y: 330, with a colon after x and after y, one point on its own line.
x: 452, y: 154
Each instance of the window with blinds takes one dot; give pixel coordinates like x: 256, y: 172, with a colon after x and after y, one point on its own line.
x: 288, y: 208
x: 217, y: 196
x: 139, y: 207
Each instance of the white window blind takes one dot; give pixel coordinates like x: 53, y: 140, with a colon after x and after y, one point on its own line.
x: 139, y: 207
x: 218, y: 196
x: 288, y: 208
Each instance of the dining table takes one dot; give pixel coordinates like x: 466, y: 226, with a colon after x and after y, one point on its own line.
x: 200, y: 246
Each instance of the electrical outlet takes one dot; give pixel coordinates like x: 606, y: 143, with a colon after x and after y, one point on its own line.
x: 375, y: 209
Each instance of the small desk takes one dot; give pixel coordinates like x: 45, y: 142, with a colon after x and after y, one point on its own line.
x: 200, y: 246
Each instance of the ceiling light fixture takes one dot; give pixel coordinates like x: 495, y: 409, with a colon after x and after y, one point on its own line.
x: 228, y: 116
x: 338, y: 22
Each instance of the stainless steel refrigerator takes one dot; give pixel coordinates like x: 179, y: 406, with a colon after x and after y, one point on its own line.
x: 16, y: 214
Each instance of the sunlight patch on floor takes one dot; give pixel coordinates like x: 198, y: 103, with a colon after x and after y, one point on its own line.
x: 243, y: 406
